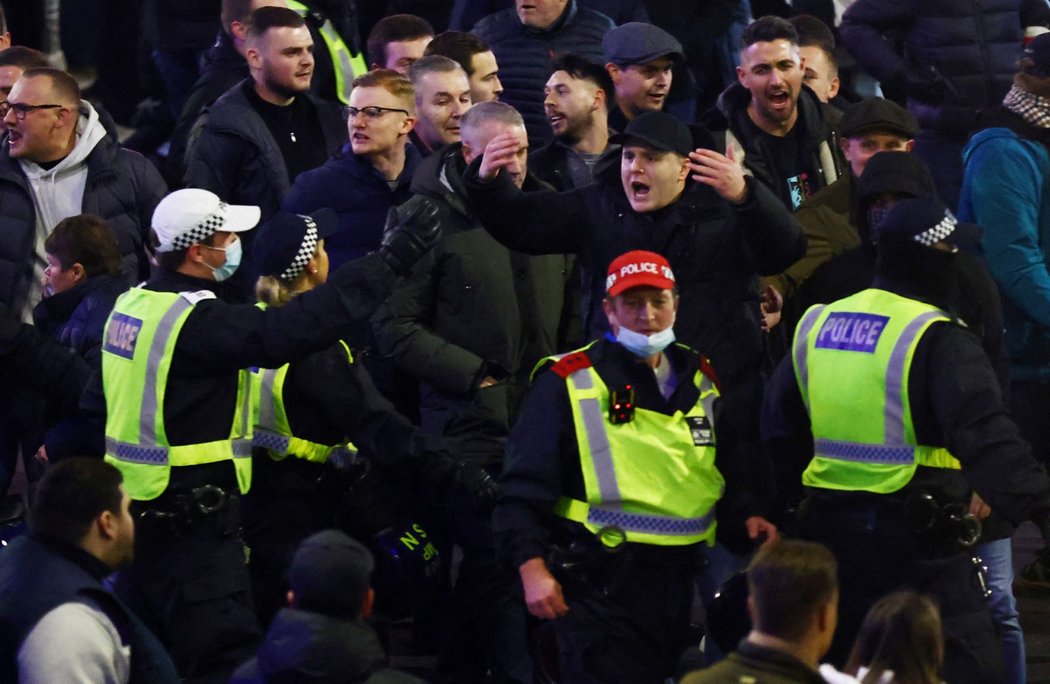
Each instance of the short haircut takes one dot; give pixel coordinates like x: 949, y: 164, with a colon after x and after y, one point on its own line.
x: 266, y: 18
x: 71, y: 495
x: 394, y: 29
x: 459, y: 47
x: 86, y: 240
x: 902, y: 632
x: 813, y: 32
x: 485, y: 112
x: 63, y: 85
x: 234, y: 10
x: 23, y: 57
x: 431, y: 64
x: 767, y: 29
x: 389, y: 80
x: 583, y: 69
x: 787, y: 582
x: 174, y: 259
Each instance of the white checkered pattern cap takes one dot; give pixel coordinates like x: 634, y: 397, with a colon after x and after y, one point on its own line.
x: 188, y: 216
x: 939, y: 232
x: 305, y: 253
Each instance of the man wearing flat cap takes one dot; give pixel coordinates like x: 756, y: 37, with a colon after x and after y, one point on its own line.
x: 889, y: 413
x: 870, y: 126
x: 639, y: 57
x: 177, y: 412
x: 615, y: 475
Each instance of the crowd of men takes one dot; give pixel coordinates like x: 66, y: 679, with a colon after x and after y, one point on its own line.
x: 555, y: 321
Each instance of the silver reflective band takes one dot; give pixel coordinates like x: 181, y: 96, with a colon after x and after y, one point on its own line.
x: 597, y: 440
x: 149, y: 411
x: 893, y: 418
x: 802, y: 348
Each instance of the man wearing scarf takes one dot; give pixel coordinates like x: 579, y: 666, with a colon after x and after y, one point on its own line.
x: 1004, y: 190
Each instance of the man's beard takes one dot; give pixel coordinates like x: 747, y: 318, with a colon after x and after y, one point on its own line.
x: 281, y: 89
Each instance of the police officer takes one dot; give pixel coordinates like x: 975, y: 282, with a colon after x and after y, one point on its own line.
x: 308, y: 411
x: 178, y: 415
x: 611, y: 486
x: 892, y: 411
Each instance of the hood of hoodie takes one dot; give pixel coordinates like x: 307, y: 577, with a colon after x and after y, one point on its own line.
x: 896, y: 172
x: 311, y: 648
x: 59, y: 191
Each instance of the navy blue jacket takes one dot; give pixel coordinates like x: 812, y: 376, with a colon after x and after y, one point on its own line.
x: 76, y: 318
x: 37, y: 576
x: 958, y: 57
x: 525, y: 56
x: 359, y: 195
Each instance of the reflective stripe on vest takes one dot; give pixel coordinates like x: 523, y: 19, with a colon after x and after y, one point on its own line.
x: 852, y: 362
x: 346, y: 65
x: 138, y: 345
x: 646, y: 476
x: 272, y: 430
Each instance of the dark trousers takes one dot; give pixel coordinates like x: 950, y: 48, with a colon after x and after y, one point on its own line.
x: 190, y: 585
x: 878, y: 554
x: 630, y: 628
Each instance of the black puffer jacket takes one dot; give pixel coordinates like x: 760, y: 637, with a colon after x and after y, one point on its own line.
x: 123, y: 188
x: 525, y: 56
x: 958, y: 58
x: 237, y: 158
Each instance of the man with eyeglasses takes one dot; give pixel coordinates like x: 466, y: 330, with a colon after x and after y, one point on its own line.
x: 372, y: 172
x: 58, y: 162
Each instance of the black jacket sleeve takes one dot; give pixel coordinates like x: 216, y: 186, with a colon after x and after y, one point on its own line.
x: 544, y: 222
x: 772, y: 236
x: 219, y: 336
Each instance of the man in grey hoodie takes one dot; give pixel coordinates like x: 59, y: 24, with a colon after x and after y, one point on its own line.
x: 58, y: 162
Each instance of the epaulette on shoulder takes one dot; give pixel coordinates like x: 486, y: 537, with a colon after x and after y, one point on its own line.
x: 570, y: 363
x: 709, y: 371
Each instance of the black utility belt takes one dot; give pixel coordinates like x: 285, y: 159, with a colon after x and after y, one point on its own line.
x: 184, y: 509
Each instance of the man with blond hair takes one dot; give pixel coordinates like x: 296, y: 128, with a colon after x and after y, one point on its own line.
x: 373, y: 170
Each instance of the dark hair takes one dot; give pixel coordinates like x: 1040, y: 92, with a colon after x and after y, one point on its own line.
x: 767, y: 29
x: 813, y: 32
x: 64, y: 86
x: 71, y: 495
x: 902, y: 632
x: 457, y: 46
x: 266, y: 18
x: 787, y: 582
x: 583, y: 69
x: 23, y: 58
x: 174, y: 259
x: 234, y: 10
x: 86, y: 240
x: 394, y: 29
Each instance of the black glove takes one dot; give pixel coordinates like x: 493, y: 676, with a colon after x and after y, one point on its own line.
x: 410, y: 231
x: 478, y: 483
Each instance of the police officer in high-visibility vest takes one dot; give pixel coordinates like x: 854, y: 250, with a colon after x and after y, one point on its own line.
x: 891, y: 410
x: 307, y: 413
x: 612, y: 479
x: 178, y: 415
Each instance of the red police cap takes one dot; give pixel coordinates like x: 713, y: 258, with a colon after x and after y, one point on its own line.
x: 638, y: 269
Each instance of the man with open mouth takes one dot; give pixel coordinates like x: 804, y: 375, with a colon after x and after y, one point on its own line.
x: 639, y: 58
x: 775, y: 125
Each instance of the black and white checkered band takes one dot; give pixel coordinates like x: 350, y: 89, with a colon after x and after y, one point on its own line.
x: 202, y: 230
x: 932, y: 236
x: 306, y: 251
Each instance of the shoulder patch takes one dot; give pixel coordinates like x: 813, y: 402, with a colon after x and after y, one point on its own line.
x: 570, y: 363
x: 706, y: 369
x: 198, y: 296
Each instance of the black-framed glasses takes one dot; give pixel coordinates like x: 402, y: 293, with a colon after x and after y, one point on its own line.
x: 372, y: 112
x: 21, y: 109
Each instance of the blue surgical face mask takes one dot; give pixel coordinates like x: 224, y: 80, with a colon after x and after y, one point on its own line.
x: 233, y: 260
x: 645, y: 345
